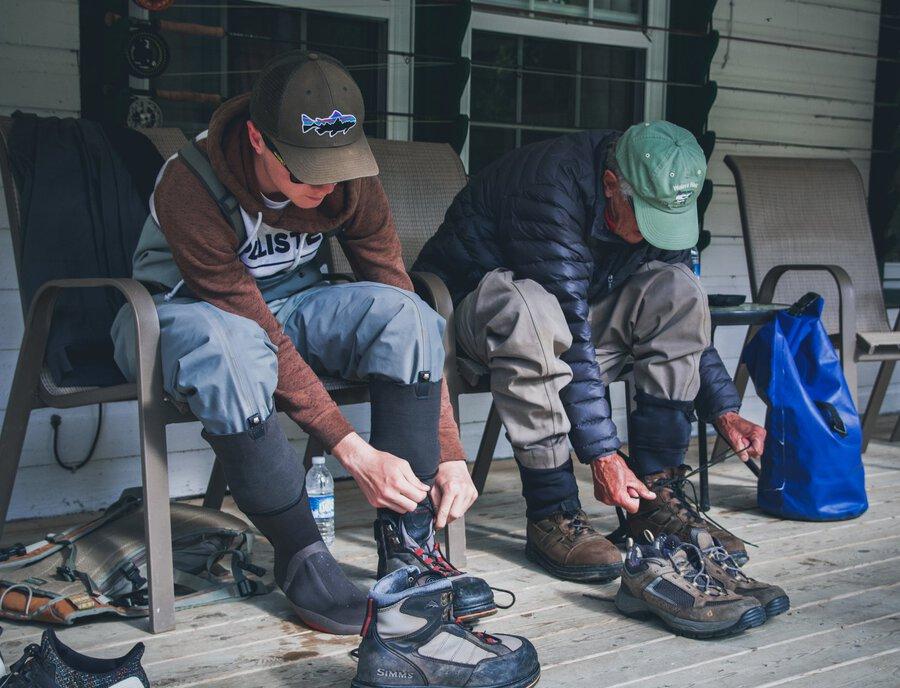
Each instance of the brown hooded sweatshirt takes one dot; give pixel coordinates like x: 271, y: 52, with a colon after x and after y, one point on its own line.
x: 205, y: 249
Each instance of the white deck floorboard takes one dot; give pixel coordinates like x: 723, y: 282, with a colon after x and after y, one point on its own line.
x: 843, y: 628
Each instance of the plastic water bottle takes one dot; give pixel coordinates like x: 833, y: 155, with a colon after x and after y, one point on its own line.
x: 320, y: 489
x: 695, y: 260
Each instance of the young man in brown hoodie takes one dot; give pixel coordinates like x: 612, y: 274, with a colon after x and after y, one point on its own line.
x: 248, y: 323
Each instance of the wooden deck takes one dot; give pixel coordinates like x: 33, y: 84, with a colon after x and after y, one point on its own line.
x: 843, y: 628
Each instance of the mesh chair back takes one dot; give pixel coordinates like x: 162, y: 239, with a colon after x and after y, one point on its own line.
x: 809, y: 211
x: 420, y: 180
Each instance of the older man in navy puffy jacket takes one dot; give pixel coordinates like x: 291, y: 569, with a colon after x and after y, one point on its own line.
x: 569, y: 264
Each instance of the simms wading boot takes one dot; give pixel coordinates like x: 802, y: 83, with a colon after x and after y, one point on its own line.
x: 410, y: 639
x: 409, y: 540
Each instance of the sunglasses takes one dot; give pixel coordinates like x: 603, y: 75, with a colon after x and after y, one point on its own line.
x: 271, y: 147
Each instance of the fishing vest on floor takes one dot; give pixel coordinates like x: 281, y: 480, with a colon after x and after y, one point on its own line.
x: 153, y: 263
x: 100, y: 567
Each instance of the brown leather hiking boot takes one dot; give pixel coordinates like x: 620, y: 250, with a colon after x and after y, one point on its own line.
x: 670, y: 513
x: 567, y: 546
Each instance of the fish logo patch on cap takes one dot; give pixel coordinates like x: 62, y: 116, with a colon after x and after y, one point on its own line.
x: 336, y: 123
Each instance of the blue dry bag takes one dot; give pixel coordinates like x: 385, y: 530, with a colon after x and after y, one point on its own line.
x: 812, y: 464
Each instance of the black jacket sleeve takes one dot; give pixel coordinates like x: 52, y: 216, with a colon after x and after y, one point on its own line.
x: 544, y: 226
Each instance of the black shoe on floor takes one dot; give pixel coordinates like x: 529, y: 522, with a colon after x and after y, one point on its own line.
x: 54, y: 665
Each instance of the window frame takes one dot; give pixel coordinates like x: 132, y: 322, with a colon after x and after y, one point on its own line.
x: 399, y: 15
x: 653, y: 41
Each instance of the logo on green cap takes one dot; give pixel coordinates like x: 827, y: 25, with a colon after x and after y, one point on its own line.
x: 666, y: 167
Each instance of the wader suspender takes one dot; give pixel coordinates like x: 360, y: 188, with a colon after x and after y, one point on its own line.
x: 198, y: 163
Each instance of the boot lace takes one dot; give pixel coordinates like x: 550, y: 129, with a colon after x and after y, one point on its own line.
x: 577, y: 522
x: 695, y: 571
x: 435, y: 561
x: 690, y: 505
x: 721, y: 556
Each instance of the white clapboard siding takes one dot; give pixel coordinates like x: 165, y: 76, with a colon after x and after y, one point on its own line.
x: 791, y: 100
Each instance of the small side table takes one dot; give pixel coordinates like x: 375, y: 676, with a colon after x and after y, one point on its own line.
x: 746, y: 314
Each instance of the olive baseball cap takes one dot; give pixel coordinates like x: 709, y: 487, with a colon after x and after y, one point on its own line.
x: 666, y: 167
x: 311, y: 109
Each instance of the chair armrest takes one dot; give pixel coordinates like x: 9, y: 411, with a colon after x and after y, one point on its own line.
x: 146, y: 322
x: 434, y: 292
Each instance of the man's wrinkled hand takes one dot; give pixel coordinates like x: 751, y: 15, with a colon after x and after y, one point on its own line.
x: 616, y: 485
x: 387, y: 481
x: 746, y: 438
x: 453, y: 492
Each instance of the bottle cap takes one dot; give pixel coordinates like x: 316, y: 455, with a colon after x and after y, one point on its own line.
x: 318, y: 461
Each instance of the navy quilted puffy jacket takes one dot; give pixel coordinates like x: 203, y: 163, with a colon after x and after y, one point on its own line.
x: 538, y: 211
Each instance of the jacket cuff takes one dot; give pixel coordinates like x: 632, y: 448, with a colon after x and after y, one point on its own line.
x: 587, y: 453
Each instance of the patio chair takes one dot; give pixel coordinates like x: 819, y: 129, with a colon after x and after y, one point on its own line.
x: 33, y: 387
x: 806, y: 228
x: 419, y: 199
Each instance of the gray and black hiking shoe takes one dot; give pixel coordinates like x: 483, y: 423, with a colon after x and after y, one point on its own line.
x: 661, y: 580
x: 673, y: 513
x: 724, y: 569
x: 409, y: 540
x: 54, y: 665
x: 410, y: 639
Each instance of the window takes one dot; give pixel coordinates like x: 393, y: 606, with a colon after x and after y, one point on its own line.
x: 212, y: 68
x: 525, y: 89
x: 622, y: 11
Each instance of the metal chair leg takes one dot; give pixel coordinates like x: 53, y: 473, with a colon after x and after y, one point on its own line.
x: 486, y: 448
x: 313, y: 448
x: 455, y: 542
x: 15, y: 425
x: 216, y: 488
x: 157, y: 520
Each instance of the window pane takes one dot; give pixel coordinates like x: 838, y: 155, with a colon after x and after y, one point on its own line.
x: 625, y: 11
x: 486, y: 144
x: 548, y: 96
x: 494, y: 60
x: 611, y: 93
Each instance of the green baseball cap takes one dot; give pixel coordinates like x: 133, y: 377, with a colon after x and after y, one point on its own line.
x: 666, y: 167
x: 310, y: 107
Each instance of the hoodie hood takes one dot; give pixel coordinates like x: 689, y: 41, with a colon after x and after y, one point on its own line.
x: 231, y: 157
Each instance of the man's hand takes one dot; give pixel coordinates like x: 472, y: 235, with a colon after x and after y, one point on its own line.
x: 388, y: 482
x: 616, y: 485
x: 453, y: 492
x: 744, y: 437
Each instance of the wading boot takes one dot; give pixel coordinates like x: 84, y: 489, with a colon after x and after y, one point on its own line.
x: 671, y: 513
x: 661, y: 580
x: 409, y: 540
x: 568, y: 547
x: 410, y: 639
x: 724, y: 569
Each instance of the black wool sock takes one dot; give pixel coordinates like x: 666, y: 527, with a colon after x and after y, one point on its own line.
x: 405, y: 420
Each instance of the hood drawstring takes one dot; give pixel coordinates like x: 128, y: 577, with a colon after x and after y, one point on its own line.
x: 171, y: 294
